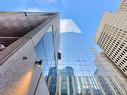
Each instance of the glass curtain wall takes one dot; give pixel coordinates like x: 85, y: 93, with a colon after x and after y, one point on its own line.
x: 77, y: 66
x: 45, y: 52
x: 81, y: 71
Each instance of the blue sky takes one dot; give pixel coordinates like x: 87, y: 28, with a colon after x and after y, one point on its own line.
x: 86, y: 13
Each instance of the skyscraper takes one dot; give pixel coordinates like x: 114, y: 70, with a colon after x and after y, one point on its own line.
x: 81, y: 71
x: 76, y: 69
x: 51, y: 80
x: 29, y: 44
x: 110, y: 79
x: 123, y: 6
x: 111, y: 36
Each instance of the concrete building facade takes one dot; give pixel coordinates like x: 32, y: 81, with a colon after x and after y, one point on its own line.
x: 111, y: 36
x: 123, y: 6
x: 109, y: 77
x: 20, y: 67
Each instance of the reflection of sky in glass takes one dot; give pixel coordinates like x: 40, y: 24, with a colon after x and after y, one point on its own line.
x: 45, y: 52
x: 93, y: 74
x: 75, y: 51
x: 110, y: 77
x: 80, y: 70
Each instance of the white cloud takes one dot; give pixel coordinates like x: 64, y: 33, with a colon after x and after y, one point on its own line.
x: 40, y: 2
x: 32, y: 10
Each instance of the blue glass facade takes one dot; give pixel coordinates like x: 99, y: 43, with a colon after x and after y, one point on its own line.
x: 78, y: 55
x: 85, y: 72
x: 51, y: 80
x: 45, y: 51
x: 81, y: 71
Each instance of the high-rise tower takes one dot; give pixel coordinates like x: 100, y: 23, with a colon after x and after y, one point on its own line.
x: 123, y: 6
x: 111, y: 36
x: 28, y: 41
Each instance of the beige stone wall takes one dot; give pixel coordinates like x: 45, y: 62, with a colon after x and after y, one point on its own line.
x: 111, y: 36
x: 16, y: 73
x: 19, y: 76
x: 123, y: 6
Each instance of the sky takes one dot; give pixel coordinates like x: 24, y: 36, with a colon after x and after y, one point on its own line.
x: 85, y: 13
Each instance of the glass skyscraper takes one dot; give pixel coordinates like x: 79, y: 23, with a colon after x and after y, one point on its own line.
x: 82, y: 71
x: 77, y: 55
